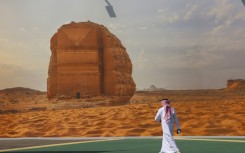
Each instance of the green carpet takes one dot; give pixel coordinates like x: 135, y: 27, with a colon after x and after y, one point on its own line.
x: 146, y: 146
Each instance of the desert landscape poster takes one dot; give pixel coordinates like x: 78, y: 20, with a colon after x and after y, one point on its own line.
x: 70, y: 69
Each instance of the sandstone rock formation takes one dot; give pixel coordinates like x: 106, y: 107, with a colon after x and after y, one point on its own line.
x: 88, y: 60
x: 236, y: 84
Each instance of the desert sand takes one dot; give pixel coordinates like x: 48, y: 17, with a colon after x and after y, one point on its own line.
x: 200, y: 112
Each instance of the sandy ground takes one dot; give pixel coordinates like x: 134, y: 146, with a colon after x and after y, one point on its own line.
x: 205, y: 112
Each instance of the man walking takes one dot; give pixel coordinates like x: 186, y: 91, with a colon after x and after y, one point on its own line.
x: 166, y: 115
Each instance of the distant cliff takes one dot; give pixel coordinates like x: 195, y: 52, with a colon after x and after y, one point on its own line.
x: 88, y: 61
x: 236, y: 84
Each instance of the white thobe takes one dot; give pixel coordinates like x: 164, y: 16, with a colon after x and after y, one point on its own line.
x: 168, y: 143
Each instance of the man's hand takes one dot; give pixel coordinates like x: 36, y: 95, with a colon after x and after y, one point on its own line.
x: 178, y: 131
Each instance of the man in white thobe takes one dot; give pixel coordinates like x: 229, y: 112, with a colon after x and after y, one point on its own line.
x: 166, y: 115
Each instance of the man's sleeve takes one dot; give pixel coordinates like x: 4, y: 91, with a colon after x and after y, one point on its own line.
x: 176, y: 120
x: 158, y: 115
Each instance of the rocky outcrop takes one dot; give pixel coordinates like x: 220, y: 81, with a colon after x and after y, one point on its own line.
x: 88, y: 60
x: 236, y: 84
